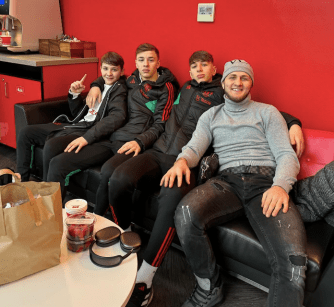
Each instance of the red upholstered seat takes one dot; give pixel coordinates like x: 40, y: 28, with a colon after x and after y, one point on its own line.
x: 319, y: 151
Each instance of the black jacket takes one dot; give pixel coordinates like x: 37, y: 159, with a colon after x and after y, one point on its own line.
x: 194, y: 99
x: 110, y: 116
x: 149, y: 106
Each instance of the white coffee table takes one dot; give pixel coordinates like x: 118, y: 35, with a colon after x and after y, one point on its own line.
x: 76, y: 281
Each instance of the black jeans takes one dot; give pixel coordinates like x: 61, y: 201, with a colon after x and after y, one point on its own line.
x: 144, y: 172
x: 283, y: 237
x: 58, y: 165
x: 30, y: 136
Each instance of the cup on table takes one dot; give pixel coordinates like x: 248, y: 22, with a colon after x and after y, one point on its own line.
x: 75, y: 207
x: 80, y: 230
x: 5, y: 40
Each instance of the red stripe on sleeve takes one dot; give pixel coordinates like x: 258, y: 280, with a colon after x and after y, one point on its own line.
x: 168, y: 106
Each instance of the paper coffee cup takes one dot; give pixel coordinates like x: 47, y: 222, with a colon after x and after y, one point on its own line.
x: 5, y: 40
x: 76, y: 206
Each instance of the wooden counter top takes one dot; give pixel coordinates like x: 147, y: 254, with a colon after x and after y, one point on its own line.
x: 38, y: 60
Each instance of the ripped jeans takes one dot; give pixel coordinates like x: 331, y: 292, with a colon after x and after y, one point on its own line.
x: 283, y: 237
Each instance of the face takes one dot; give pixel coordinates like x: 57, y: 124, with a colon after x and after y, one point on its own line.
x: 111, y: 73
x: 237, y: 86
x: 202, y: 71
x: 147, y: 63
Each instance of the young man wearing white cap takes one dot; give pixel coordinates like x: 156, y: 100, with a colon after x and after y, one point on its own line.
x: 257, y: 169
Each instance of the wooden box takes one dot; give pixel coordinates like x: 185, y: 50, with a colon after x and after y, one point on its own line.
x: 44, y: 46
x: 77, y: 49
x: 63, y: 49
x: 54, y: 47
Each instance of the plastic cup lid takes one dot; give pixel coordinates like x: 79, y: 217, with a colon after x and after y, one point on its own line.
x: 84, y: 219
x: 76, y: 205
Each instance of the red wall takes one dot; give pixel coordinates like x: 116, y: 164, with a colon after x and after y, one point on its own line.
x: 289, y: 43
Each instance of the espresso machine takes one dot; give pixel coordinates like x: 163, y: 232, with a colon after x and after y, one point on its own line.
x: 26, y: 21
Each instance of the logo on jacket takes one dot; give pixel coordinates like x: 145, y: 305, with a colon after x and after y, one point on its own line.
x: 93, y: 112
x: 198, y: 98
x: 133, y: 80
x: 207, y: 94
x: 147, y: 87
x: 188, y: 87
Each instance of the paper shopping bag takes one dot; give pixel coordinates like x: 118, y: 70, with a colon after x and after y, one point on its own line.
x: 30, y: 233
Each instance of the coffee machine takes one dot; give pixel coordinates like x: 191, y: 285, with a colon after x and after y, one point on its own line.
x: 26, y: 21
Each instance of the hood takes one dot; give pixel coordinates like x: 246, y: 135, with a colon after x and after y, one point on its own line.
x: 214, y: 83
x: 165, y: 76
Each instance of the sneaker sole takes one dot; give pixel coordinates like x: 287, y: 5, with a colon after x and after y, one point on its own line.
x: 150, y: 298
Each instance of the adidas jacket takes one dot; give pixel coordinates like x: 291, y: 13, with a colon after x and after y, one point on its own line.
x: 149, y: 107
x: 194, y: 99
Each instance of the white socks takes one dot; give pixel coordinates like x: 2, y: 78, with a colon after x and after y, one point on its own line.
x: 146, y: 274
x: 204, y: 283
x: 128, y: 229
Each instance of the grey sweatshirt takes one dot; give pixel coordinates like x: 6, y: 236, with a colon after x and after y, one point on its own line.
x: 245, y: 133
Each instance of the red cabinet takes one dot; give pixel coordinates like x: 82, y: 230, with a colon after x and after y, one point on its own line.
x: 20, y: 83
x: 14, y: 90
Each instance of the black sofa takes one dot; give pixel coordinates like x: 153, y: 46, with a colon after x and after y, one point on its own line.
x: 237, y: 249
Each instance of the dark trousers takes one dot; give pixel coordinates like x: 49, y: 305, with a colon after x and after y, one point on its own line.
x: 283, y: 237
x: 58, y: 165
x: 30, y: 136
x: 144, y: 172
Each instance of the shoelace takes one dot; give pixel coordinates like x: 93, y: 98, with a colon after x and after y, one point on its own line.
x: 193, y: 299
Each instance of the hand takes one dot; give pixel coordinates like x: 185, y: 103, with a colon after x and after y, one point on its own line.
x: 94, y: 95
x: 79, y: 142
x: 179, y: 169
x: 297, y: 138
x: 78, y: 86
x: 273, y: 200
x: 129, y: 147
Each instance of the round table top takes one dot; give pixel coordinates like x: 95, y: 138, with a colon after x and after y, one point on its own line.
x: 76, y: 281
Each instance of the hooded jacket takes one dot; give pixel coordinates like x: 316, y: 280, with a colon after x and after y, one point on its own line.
x: 149, y: 107
x: 110, y: 116
x: 194, y: 99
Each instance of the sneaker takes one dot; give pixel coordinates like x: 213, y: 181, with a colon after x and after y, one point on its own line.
x: 141, y: 296
x: 206, y: 298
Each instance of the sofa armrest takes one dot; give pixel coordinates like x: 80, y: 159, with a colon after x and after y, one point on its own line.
x: 33, y: 113
x: 324, y: 294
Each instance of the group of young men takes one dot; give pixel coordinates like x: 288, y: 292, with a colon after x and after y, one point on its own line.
x: 147, y: 133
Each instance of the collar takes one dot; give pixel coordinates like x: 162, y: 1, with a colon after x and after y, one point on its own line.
x: 237, y: 106
x: 141, y: 80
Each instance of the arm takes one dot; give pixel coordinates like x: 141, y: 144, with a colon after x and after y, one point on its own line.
x: 75, y: 100
x: 295, y: 132
x: 161, y: 113
x: 115, y: 118
x: 287, y: 164
x: 95, y: 92
x: 191, y: 154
